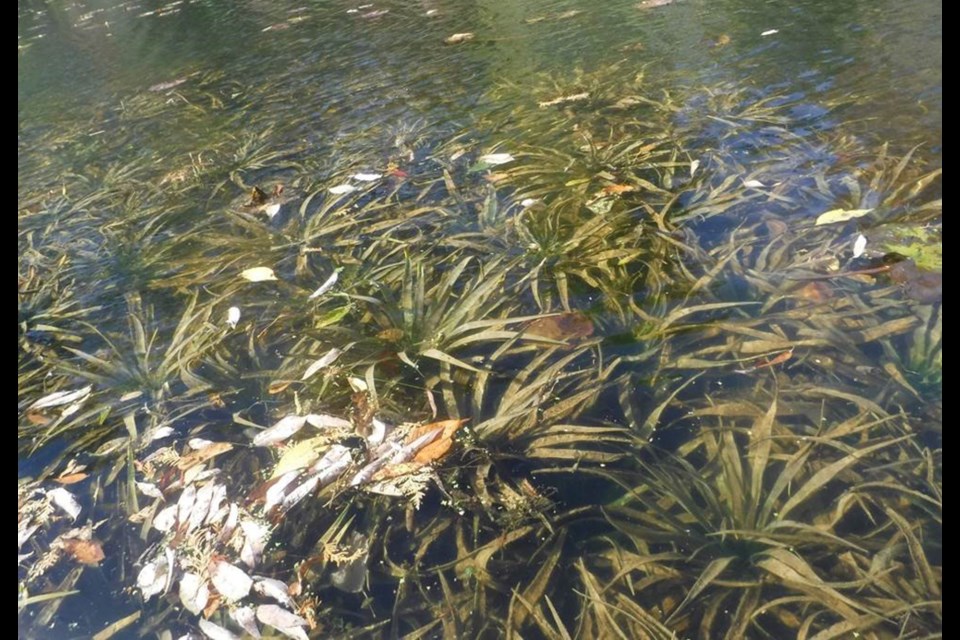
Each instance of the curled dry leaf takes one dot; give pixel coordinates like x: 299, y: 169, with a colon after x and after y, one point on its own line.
x: 230, y: 581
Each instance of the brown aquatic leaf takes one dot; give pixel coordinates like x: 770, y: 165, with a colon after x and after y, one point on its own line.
x: 71, y: 478
x: 439, y: 447
x: 37, y: 418
x: 922, y: 286
x: 84, y: 551
x: 279, y: 386
x: 257, y: 197
x: 391, y: 335
x: 565, y: 327
x: 458, y: 38
x: 722, y: 41
x: 201, y: 456
x: 816, y: 292
x: 613, y: 189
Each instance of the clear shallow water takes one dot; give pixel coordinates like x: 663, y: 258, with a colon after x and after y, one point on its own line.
x: 162, y: 104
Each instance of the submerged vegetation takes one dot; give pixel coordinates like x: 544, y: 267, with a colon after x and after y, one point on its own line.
x: 594, y: 365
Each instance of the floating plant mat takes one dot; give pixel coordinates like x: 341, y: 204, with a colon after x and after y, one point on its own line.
x: 579, y: 367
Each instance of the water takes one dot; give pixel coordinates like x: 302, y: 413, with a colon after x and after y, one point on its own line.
x: 674, y: 159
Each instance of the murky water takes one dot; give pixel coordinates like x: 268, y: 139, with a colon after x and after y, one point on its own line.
x: 623, y: 242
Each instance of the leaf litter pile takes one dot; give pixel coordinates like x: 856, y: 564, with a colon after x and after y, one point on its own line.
x: 596, y: 377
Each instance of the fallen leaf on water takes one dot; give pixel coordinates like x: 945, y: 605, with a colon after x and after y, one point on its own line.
x: 202, y: 455
x: 233, y: 317
x: 193, y: 593
x: 325, y: 361
x: 247, y: 619
x: 84, y: 551
x: 279, y: 386
x: 457, y: 38
x: 612, y: 189
x: 816, y: 292
x: 327, y: 285
x: 753, y: 184
x: 271, y: 210
x: 216, y: 632
x: 841, y: 215
x: 439, y: 447
x: 565, y: 327
x: 255, y: 536
x: 65, y: 501
x: 59, y: 398
x: 780, y: 358
x: 279, y: 432
x: 493, y: 159
x: 258, y: 274
x: 694, y: 165
x: 230, y: 581
x: 859, y: 245
x: 341, y: 189
x: 323, y: 421
x: 391, y: 335
x: 366, y: 177
x: 287, y: 623
x: 71, y: 478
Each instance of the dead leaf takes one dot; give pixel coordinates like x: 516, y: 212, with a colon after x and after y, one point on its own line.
x: 458, y: 38
x: 230, y: 581
x: 201, y: 456
x: 439, y: 447
x: 258, y: 274
x: 71, y: 478
x: 88, y: 552
x: 565, y: 327
x: 614, y: 189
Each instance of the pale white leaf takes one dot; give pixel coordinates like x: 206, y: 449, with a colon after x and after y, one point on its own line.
x: 230, y: 524
x: 526, y: 203
x: 326, y: 286
x: 158, y: 434
x: 328, y: 358
x: 275, y: 589
x: 230, y: 581
x: 378, y: 432
x: 279, y: 432
x: 216, y: 632
x: 334, y: 462
x: 152, y: 578
x: 198, y: 443
x: 282, y: 620
x: 859, y: 245
x: 201, y: 507
x: 25, y: 534
x: 753, y: 184
x: 278, y: 490
x: 769, y: 32
x: 194, y: 593
x: 341, y: 189
x: 841, y: 215
x: 59, y: 398
x: 271, y: 209
x: 366, y: 177
x: 233, y: 317
x: 185, y: 504
x: 65, y: 501
x: 694, y: 165
x: 216, y: 513
x: 296, y: 495
x: 246, y: 617
x: 322, y: 421
x: 493, y: 159
x: 149, y: 489
x: 357, y: 384
x: 258, y: 274
x: 165, y: 519
x: 255, y: 536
